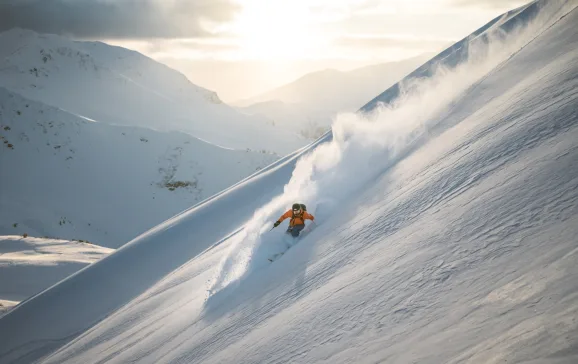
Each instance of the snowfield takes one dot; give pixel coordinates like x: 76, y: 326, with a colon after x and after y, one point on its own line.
x: 100, y: 143
x: 64, y: 176
x: 118, y: 86
x: 447, y: 221
x: 29, y: 265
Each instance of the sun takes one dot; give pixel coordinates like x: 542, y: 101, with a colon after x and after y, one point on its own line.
x: 274, y: 29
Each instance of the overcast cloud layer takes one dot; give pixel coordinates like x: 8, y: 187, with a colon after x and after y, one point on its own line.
x: 115, y: 19
x: 136, y: 19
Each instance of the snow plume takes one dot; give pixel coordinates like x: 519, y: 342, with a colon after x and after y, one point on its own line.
x: 362, y: 148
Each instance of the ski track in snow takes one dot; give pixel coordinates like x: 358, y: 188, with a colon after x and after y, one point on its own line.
x: 458, y: 245
x: 360, y: 151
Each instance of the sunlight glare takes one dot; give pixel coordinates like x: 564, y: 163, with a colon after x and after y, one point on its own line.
x: 275, y: 29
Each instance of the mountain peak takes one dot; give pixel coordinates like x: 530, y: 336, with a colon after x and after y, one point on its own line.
x: 114, y: 85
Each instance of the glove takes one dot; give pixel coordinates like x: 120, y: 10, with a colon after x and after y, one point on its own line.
x: 276, y: 223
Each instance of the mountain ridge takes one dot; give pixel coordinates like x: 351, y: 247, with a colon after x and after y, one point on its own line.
x: 116, y: 86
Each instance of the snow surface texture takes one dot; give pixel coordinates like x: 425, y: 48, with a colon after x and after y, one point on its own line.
x: 447, y: 225
x: 117, y: 86
x: 29, y: 265
x: 67, y: 177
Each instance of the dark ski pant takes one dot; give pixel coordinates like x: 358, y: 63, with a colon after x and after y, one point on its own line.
x: 295, y: 230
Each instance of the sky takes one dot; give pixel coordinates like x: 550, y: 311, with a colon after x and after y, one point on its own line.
x: 241, y: 48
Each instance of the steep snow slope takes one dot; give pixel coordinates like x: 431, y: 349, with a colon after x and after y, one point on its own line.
x: 118, y: 86
x: 29, y: 265
x: 472, y: 47
x: 457, y: 245
x: 63, y: 176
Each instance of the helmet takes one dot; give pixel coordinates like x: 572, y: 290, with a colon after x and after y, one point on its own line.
x: 296, y: 207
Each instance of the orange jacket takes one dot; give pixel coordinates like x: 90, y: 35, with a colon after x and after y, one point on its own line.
x: 298, y: 219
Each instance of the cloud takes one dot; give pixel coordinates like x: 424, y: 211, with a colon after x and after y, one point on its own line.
x: 183, y: 48
x: 490, y: 4
x: 116, y: 19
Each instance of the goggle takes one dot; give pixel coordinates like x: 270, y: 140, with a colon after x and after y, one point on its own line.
x: 296, y: 211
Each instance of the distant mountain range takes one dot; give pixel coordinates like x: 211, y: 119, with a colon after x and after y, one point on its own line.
x: 309, y: 103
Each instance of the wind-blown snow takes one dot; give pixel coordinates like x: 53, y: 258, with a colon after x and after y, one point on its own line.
x: 363, y: 147
x: 309, y: 104
x: 451, y: 240
x: 510, y: 23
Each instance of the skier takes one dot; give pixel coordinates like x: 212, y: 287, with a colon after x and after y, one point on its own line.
x: 298, y: 215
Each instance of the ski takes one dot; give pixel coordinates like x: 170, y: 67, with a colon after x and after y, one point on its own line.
x: 295, y: 241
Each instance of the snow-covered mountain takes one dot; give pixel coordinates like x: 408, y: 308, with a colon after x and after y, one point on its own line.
x: 340, y: 90
x: 310, y: 124
x: 64, y: 176
x: 29, y: 265
x: 117, y: 86
x: 446, y: 233
x: 310, y: 103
